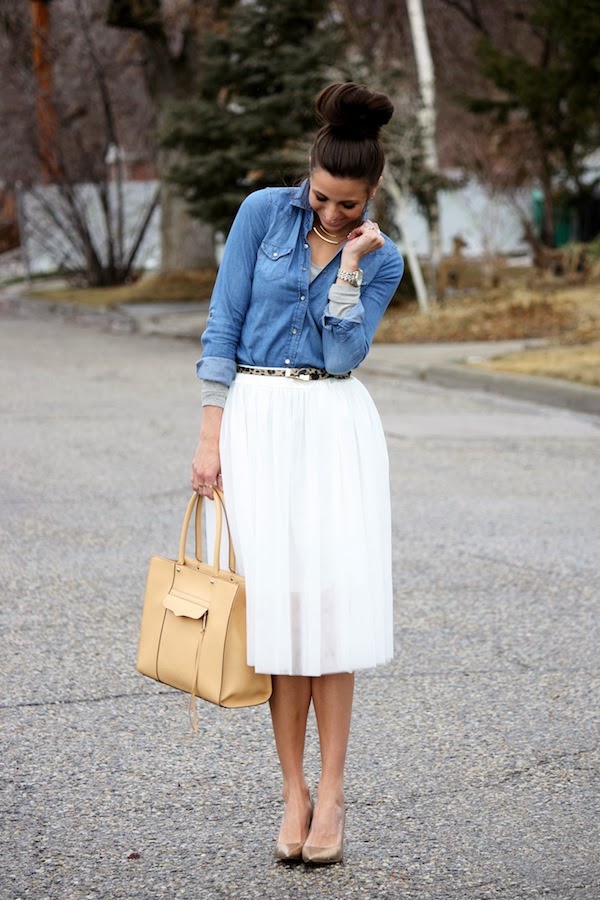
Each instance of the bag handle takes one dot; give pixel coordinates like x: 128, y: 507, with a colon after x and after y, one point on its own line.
x: 232, y: 563
x: 221, y: 510
x: 196, y: 502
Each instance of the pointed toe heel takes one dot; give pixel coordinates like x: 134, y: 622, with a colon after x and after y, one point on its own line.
x: 322, y: 856
x: 293, y: 852
x: 289, y: 852
x: 325, y: 856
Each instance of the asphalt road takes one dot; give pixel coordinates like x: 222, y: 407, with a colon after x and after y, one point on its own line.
x: 473, y: 760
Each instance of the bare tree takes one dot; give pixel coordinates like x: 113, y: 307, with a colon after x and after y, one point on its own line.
x: 404, y: 159
x: 379, y: 40
x: 170, y: 32
x: 81, y: 216
x: 427, y: 120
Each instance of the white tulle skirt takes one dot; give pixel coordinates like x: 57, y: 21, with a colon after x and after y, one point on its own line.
x: 305, y: 476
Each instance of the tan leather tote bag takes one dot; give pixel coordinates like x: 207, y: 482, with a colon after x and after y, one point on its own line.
x: 193, y: 632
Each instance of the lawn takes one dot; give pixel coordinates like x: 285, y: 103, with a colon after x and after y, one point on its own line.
x: 580, y: 362
x: 164, y: 288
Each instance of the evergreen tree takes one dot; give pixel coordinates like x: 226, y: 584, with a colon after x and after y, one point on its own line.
x: 556, y: 95
x: 247, y: 128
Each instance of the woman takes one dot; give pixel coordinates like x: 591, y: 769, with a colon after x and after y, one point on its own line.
x: 304, y: 281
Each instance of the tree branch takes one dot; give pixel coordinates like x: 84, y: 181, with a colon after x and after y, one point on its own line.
x: 141, y: 232
x: 469, y: 10
x: 140, y: 15
x: 112, y: 138
x: 53, y: 215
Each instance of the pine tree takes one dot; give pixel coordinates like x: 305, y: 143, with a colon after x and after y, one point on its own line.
x: 247, y: 128
x: 554, y: 89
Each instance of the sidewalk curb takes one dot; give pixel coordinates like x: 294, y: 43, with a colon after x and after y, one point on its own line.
x: 105, y: 317
x: 455, y: 375
x: 539, y: 389
x: 122, y: 318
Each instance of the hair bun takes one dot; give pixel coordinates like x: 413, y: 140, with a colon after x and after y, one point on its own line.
x: 353, y: 110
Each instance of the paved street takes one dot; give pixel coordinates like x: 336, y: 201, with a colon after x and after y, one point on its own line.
x: 473, y: 760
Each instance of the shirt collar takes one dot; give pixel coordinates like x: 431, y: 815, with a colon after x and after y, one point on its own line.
x: 300, y: 195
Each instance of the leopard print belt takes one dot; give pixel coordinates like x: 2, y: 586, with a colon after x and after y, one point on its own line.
x: 305, y: 373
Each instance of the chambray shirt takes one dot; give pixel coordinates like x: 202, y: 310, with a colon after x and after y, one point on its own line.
x: 264, y: 310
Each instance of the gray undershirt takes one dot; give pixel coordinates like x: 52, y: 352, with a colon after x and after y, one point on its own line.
x: 342, y: 300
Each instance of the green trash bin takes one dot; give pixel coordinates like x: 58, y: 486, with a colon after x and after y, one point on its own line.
x: 565, y: 219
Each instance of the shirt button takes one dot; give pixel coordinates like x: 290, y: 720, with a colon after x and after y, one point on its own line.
x: 302, y: 297
x: 287, y: 362
x: 294, y: 330
x: 275, y: 255
x: 306, y: 246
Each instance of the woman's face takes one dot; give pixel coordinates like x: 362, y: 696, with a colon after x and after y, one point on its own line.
x: 338, y: 202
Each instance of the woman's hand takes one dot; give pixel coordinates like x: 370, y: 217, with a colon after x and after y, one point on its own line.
x: 363, y: 239
x: 206, y: 465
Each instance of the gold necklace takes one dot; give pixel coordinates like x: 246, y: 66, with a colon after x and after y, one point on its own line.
x: 322, y: 236
x: 330, y: 234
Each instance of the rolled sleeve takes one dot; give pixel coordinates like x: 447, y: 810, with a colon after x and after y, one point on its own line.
x: 346, y: 341
x: 342, y: 300
x: 341, y: 326
x: 216, y: 368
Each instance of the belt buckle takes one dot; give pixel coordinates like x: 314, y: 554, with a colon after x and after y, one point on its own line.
x: 297, y: 375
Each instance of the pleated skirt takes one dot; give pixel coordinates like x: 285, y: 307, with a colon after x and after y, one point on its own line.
x: 306, y: 482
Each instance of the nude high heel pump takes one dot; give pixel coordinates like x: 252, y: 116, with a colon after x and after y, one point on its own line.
x: 293, y: 852
x: 325, y: 856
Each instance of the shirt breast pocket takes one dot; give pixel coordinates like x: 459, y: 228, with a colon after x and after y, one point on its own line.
x: 273, y: 261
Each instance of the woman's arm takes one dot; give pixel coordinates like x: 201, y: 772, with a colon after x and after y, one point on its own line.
x: 347, y: 339
x: 228, y: 305
x: 232, y: 291
x: 206, y: 465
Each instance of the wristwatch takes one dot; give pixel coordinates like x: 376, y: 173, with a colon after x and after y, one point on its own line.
x: 353, y: 278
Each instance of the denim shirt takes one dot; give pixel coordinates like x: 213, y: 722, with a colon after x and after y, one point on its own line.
x: 264, y: 312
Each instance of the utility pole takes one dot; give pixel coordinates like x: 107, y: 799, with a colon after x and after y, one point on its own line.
x: 42, y: 67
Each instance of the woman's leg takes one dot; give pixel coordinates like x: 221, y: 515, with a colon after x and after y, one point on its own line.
x: 332, y: 700
x: 290, y: 702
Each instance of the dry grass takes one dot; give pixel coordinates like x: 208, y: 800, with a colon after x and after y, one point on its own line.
x: 569, y: 312
x: 575, y: 363
x: 164, y: 288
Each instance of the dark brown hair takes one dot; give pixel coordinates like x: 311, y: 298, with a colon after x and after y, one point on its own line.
x: 347, y: 144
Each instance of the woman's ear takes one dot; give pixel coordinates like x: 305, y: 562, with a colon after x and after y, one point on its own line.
x: 376, y: 188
